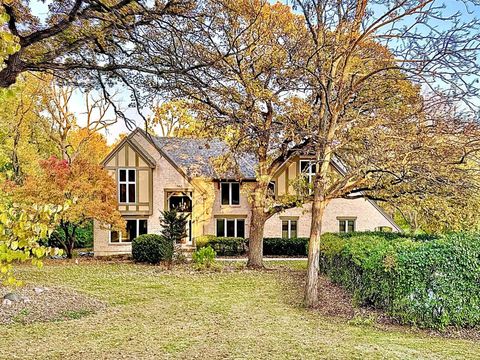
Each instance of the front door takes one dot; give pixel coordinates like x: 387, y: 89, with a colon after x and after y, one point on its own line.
x: 182, y: 202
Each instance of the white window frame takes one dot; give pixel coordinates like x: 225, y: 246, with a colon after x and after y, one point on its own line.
x: 290, y: 227
x: 225, y: 226
x: 346, y: 225
x: 127, y: 182
x: 310, y: 174
x: 230, y: 198
x: 120, y: 239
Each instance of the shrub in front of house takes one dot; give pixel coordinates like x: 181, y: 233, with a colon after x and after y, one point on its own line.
x: 427, y: 282
x: 223, y: 246
x: 152, y: 248
x: 285, y: 247
x: 204, y: 257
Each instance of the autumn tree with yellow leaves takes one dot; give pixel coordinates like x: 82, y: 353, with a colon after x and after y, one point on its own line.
x: 374, y: 76
x: 246, y: 91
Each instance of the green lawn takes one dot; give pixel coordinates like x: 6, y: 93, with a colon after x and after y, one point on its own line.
x: 182, y: 314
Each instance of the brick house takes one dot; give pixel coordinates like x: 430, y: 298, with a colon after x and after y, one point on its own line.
x: 154, y: 174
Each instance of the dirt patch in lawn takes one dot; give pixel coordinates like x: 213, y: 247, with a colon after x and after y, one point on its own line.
x: 40, y: 304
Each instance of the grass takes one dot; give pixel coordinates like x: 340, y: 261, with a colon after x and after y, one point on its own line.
x: 183, y: 314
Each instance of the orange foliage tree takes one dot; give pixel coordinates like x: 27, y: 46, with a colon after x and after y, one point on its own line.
x: 89, y: 187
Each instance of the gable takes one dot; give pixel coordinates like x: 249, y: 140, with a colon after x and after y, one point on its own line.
x: 291, y: 170
x: 128, y: 153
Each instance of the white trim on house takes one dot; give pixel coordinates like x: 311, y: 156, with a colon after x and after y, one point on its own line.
x: 289, y: 226
x: 310, y: 175
x: 225, y: 234
x: 347, y: 221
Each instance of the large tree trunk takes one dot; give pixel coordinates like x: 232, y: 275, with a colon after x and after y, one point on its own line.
x: 313, y: 266
x: 255, y: 247
x: 14, y: 67
x: 257, y: 225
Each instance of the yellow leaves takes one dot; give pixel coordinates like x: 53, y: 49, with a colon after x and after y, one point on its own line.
x: 21, y: 227
x: 8, y: 42
x: 39, y: 252
x: 174, y: 118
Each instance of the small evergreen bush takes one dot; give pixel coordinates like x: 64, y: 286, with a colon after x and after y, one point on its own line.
x: 205, y: 257
x: 152, y: 248
x: 174, y: 226
x: 429, y: 282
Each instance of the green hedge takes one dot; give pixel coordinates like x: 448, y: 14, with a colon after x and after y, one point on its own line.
x: 223, y: 246
x: 428, y: 282
x: 152, y: 248
x: 285, y: 247
x: 231, y: 246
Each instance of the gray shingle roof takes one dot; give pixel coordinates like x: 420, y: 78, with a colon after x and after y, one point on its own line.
x: 195, y: 157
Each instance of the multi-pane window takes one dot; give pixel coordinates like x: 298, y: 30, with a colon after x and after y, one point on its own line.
x: 289, y: 229
x: 346, y: 225
x: 134, y: 228
x: 230, y: 192
x: 231, y: 228
x: 127, y: 185
x: 308, y: 169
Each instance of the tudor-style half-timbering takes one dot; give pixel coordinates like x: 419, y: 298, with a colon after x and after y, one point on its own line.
x: 154, y: 174
x: 282, y: 181
x: 132, y: 169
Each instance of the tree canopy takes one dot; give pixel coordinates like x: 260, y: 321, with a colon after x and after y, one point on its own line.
x: 96, y: 39
x: 89, y: 188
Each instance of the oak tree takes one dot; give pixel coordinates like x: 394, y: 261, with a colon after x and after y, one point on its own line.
x: 246, y: 93
x: 72, y: 136
x: 98, y: 40
x: 365, y: 58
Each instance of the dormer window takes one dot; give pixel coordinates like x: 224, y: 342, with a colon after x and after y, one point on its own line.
x: 230, y: 193
x: 308, y: 169
x: 271, y: 189
x: 127, y: 186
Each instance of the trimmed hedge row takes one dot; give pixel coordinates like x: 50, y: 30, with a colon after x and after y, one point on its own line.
x: 285, y: 247
x: 223, y: 246
x: 231, y: 246
x: 428, y: 282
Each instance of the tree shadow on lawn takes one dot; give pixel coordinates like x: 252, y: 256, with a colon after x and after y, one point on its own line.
x: 337, y: 304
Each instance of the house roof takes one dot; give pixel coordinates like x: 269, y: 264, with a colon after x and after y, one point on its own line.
x: 195, y: 157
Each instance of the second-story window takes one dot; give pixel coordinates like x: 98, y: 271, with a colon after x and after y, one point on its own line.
x: 230, y: 193
x: 308, y: 169
x: 127, y: 185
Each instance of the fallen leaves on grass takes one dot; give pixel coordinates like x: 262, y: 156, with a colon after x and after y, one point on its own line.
x: 52, y: 304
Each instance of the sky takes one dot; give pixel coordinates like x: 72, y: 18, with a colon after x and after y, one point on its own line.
x: 40, y: 9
